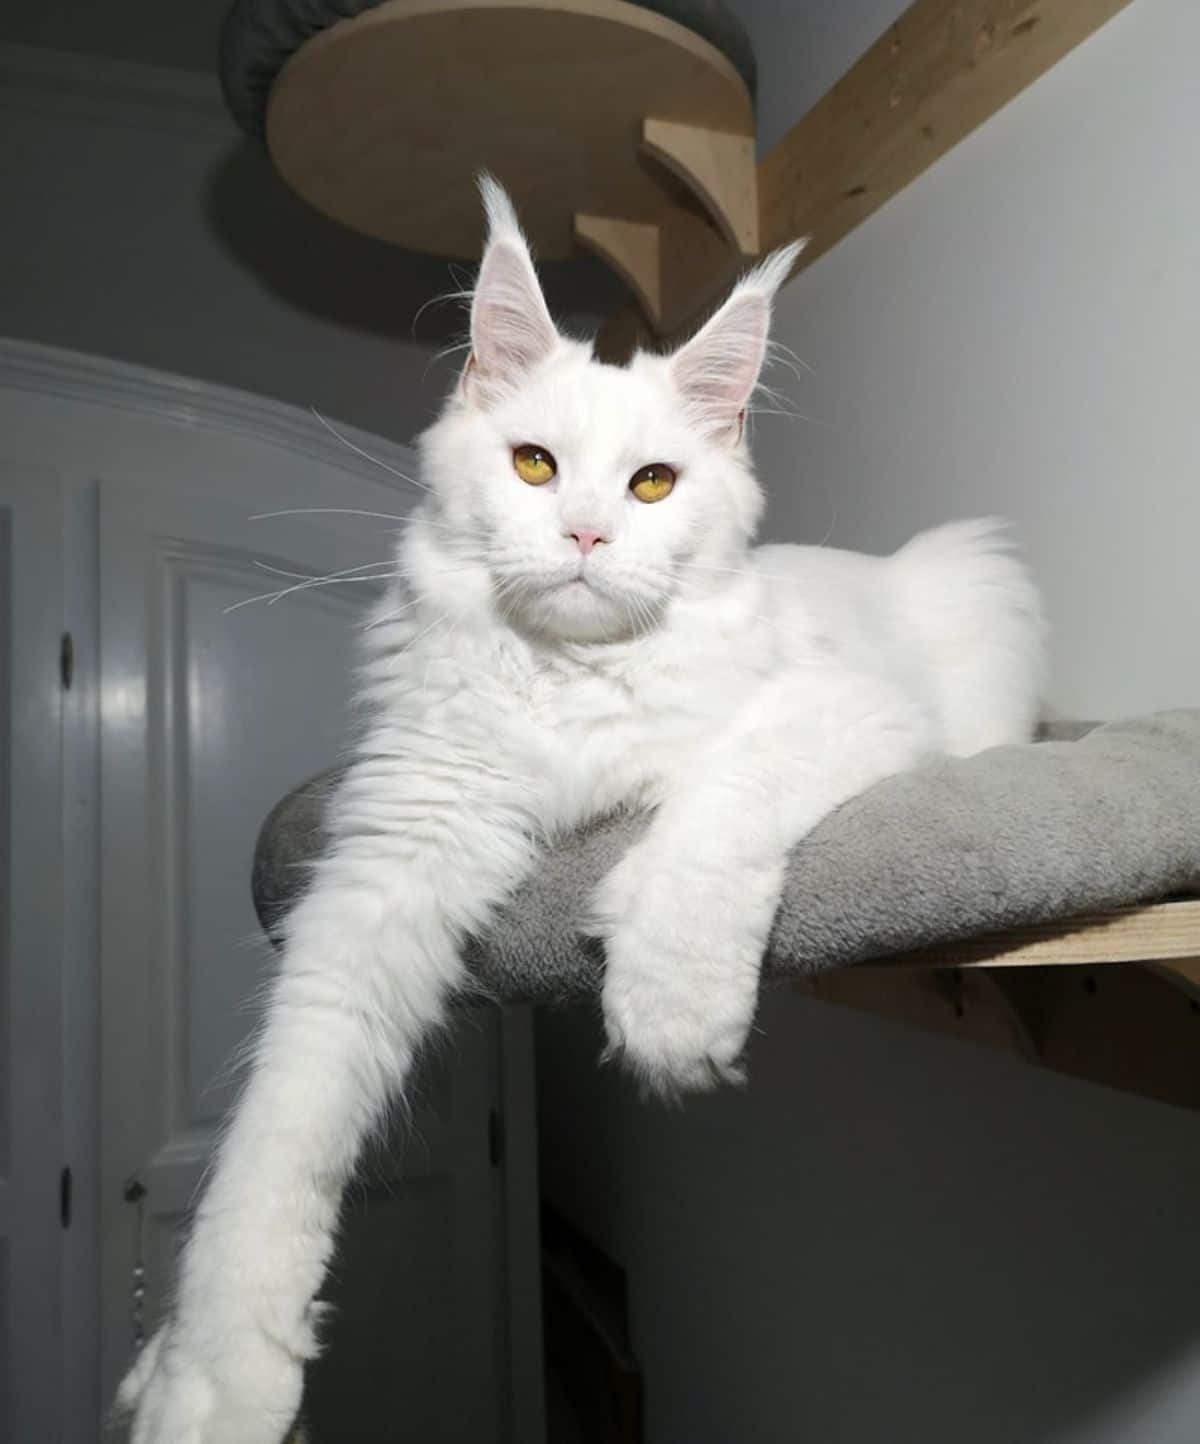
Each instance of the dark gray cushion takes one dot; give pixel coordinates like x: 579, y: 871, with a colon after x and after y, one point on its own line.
x: 951, y: 850
x: 260, y: 36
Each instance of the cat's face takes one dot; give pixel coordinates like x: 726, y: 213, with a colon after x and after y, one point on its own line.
x: 595, y: 494
x: 590, y: 496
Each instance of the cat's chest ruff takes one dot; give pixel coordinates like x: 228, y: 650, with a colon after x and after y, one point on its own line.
x: 615, y: 724
x: 622, y: 689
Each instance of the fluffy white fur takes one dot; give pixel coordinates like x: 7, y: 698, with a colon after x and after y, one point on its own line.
x: 518, y: 687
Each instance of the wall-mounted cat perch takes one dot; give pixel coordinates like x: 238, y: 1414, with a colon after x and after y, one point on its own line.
x: 626, y: 129
x: 1043, y: 899
x: 609, y: 123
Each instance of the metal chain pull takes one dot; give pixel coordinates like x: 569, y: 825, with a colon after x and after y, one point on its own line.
x: 135, y: 1193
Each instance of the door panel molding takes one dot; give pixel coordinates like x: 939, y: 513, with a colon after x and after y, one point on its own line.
x: 31, y: 955
x: 127, y: 447
x: 157, y: 548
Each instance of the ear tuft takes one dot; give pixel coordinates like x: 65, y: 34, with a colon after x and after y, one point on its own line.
x: 772, y: 271
x: 511, y: 329
x: 499, y: 210
x: 718, y: 369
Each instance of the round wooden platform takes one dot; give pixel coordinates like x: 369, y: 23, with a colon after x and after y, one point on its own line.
x: 384, y: 121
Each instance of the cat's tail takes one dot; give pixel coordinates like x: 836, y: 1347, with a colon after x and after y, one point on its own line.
x: 966, y: 599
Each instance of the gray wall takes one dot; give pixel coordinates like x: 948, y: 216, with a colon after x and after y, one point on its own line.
x: 889, y: 1238
x: 802, y: 46
x: 139, y: 224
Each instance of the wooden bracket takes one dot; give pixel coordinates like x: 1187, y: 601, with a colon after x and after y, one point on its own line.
x: 968, y: 1006
x: 719, y: 168
x: 1113, y: 998
x: 1183, y: 973
x: 633, y: 250
x: 696, y: 264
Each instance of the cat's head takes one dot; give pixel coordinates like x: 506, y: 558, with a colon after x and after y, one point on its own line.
x: 595, y: 494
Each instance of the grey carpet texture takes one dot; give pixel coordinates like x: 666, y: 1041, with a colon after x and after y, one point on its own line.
x: 953, y: 849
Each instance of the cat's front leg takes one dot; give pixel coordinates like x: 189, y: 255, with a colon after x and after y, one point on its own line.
x: 228, y: 1365
x: 685, y: 917
x: 686, y: 914
x: 371, y: 958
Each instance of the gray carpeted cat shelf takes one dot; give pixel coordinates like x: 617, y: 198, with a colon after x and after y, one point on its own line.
x: 1042, y: 898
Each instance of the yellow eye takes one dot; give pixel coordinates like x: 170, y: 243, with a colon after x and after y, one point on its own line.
x: 534, y: 464
x: 653, y: 482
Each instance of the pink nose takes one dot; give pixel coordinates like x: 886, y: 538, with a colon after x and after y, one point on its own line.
x: 586, y: 539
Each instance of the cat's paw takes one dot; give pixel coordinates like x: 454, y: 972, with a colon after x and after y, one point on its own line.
x: 244, y: 1391
x: 668, y: 1048
x: 681, y: 981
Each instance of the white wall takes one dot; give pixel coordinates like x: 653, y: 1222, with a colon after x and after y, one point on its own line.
x: 1017, y: 334
x: 891, y: 1239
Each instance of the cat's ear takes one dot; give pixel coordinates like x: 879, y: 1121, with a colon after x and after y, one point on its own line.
x: 511, y: 329
x: 717, y: 370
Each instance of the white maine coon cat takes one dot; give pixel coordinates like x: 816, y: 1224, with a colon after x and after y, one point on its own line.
x: 582, y: 625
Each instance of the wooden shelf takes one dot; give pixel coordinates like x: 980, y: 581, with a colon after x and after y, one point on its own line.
x: 1112, y: 998
x: 384, y: 121
x: 619, y: 129
x: 1159, y: 932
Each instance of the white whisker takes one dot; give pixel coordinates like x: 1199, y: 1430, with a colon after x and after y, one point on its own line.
x: 779, y: 354
x: 366, y: 455
x: 391, y: 616
x: 460, y: 293
x: 333, y: 581
x: 308, y: 576
x: 425, y: 631
x: 833, y: 516
x: 410, y: 520
x: 407, y: 575
x: 326, y: 511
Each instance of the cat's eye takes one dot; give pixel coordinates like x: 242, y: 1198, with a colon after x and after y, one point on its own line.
x: 534, y: 464
x: 652, y: 483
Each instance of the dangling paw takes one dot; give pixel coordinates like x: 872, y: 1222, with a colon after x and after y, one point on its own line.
x: 681, y: 978
x: 246, y: 1390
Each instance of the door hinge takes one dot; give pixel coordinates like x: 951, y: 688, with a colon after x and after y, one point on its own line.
x: 64, y: 1197
x: 66, y: 661
x: 495, y: 1138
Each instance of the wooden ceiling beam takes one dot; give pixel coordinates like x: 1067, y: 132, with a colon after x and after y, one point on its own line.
x: 934, y: 76
x: 939, y: 72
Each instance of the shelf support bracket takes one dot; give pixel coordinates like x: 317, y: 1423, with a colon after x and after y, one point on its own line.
x: 633, y: 249
x: 719, y: 169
